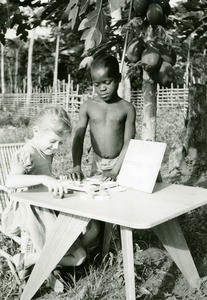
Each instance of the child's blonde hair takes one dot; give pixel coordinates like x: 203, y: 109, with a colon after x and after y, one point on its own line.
x: 54, y: 118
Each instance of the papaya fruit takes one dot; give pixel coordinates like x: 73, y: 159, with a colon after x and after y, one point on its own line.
x: 151, y: 59
x: 166, y: 75
x: 167, y: 53
x: 135, y: 49
x: 140, y: 7
x: 155, y: 15
x: 165, y: 6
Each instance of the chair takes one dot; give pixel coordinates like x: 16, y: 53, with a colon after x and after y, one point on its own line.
x: 24, y: 243
x: 6, y: 152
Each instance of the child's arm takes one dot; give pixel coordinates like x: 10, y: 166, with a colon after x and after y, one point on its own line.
x: 78, y: 140
x: 16, y: 181
x: 129, y: 133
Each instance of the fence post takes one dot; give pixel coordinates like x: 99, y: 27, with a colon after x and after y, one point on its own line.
x: 67, y: 94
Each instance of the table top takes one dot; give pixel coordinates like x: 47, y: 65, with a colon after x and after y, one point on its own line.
x: 130, y: 208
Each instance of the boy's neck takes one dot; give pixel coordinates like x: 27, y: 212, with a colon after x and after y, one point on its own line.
x: 115, y: 99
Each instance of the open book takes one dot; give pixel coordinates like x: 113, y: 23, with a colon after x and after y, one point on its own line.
x: 141, y: 165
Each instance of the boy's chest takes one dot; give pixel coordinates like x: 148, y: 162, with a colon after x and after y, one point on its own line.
x: 106, y: 115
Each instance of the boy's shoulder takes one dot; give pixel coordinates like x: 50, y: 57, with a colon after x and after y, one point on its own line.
x: 93, y: 98
x: 126, y: 103
x: 90, y: 101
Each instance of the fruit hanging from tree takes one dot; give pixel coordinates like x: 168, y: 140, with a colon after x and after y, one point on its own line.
x: 140, y: 7
x: 151, y: 59
x: 155, y: 15
x: 167, y: 53
x: 166, y: 75
x: 135, y: 49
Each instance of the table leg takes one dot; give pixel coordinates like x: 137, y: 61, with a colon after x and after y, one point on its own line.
x: 171, y: 236
x: 108, y: 227
x: 128, y: 260
x: 66, y: 230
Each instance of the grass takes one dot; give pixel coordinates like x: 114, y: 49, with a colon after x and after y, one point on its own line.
x: 157, y: 277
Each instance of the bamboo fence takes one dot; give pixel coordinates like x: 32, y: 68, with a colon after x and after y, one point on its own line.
x: 70, y: 99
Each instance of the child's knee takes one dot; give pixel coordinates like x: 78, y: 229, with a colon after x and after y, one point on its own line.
x: 95, y: 227
x: 79, y: 256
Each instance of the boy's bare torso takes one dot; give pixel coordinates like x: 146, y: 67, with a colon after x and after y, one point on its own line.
x: 107, y: 125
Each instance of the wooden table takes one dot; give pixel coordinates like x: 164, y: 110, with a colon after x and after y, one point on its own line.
x: 130, y: 209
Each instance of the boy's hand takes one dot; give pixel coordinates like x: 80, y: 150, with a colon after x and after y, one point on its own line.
x: 109, y: 176
x: 76, y: 175
x: 54, y: 186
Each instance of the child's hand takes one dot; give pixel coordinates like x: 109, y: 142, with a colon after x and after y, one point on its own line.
x: 109, y: 176
x: 78, y: 175
x: 54, y: 186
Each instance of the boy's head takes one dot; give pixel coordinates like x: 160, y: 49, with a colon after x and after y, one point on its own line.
x: 51, y: 127
x: 105, y: 76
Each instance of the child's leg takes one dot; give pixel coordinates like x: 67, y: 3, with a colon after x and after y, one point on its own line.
x: 23, y: 261
x: 73, y: 259
x: 75, y: 256
x: 92, y: 231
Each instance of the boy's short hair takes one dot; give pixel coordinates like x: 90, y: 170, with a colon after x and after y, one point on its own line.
x: 54, y: 118
x: 106, y: 61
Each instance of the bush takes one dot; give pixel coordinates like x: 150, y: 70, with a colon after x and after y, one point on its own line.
x: 9, y: 118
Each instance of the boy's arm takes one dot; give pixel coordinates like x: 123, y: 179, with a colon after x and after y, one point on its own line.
x: 77, y: 147
x: 129, y: 133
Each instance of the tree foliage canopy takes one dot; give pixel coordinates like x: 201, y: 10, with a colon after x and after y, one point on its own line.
x: 92, y: 20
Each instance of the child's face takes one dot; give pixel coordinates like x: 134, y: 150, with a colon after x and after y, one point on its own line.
x: 47, y: 140
x: 105, y: 85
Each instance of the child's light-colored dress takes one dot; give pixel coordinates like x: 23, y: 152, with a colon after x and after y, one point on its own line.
x: 19, y: 217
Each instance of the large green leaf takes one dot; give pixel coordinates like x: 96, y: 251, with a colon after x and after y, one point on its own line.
x: 73, y: 15
x: 97, y: 19
x: 72, y: 11
x: 92, y: 37
x: 93, y: 26
x: 84, y: 24
x: 83, y: 7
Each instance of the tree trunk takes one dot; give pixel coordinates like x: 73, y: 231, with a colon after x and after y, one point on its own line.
x: 29, y: 68
x: 2, y: 78
x: 16, y: 70
x: 10, y: 77
x: 2, y: 70
x: 55, y: 74
x: 124, y: 89
x: 188, y: 159
x: 149, y: 89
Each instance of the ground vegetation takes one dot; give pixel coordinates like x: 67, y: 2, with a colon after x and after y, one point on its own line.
x: 157, y: 277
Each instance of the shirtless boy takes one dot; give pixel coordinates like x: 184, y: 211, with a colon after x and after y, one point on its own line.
x: 111, y: 120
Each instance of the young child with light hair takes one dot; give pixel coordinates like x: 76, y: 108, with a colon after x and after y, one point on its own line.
x: 31, y: 167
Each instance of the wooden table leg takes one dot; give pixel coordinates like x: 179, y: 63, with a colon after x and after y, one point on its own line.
x: 66, y: 230
x: 128, y: 260
x: 171, y: 236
